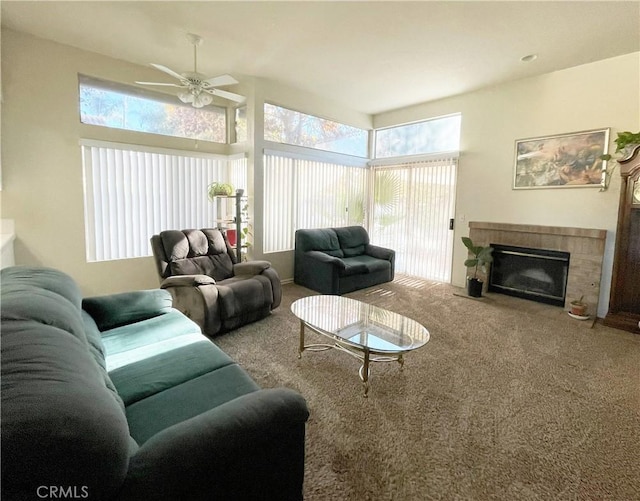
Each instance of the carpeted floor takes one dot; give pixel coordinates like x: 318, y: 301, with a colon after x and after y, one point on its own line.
x: 509, y: 400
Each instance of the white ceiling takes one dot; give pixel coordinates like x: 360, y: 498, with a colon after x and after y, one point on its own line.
x: 371, y: 56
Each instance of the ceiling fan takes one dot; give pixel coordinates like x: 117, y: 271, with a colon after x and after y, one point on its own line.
x: 197, y: 88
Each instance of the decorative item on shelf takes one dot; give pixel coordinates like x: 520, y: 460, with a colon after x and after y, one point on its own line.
x: 624, y: 146
x: 579, y: 309
x: 481, y: 257
x: 220, y: 189
x: 231, y: 236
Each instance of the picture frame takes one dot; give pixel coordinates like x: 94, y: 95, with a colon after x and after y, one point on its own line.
x: 561, y: 161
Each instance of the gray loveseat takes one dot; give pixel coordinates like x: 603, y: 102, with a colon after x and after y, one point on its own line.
x: 340, y: 260
x: 121, y: 397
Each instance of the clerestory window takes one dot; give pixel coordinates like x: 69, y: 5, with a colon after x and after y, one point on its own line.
x: 420, y: 138
x: 120, y: 106
x: 282, y: 125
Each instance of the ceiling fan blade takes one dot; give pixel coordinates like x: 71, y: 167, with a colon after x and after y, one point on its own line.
x: 221, y: 81
x: 168, y: 71
x: 160, y: 83
x: 231, y: 96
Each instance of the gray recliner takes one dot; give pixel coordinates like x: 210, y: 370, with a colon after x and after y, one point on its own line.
x: 200, y: 270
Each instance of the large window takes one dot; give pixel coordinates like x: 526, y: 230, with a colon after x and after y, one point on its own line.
x: 120, y: 106
x: 282, y: 125
x: 132, y: 193
x: 420, y: 138
x: 306, y: 193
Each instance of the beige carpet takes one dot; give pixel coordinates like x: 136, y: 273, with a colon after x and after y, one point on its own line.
x: 510, y: 400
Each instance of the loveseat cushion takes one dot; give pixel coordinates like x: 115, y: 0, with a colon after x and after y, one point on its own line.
x: 352, y: 240
x: 319, y: 239
x: 191, y: 398
x: 369, y: 264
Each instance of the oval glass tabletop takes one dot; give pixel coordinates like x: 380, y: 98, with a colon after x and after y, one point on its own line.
x: 361, y: 324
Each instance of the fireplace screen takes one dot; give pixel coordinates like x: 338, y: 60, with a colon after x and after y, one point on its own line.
x: 536, y: 274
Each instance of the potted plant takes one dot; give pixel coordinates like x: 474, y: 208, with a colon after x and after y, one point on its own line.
x: 625, y: 139
x: 481, y: 257
x: 578, y: 307
x: 220, y: 189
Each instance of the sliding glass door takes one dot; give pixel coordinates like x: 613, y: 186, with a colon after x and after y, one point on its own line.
x: 412, y: 206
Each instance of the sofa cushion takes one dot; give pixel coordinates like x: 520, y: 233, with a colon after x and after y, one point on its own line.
x: 120, y: 309
x: 130, y: 343
x: 20, y: 277
x: 166, y: 369
x: 61, y: 423
x: 174, y: 405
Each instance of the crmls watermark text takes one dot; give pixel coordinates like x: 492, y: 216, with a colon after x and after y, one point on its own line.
x: 63, y: 492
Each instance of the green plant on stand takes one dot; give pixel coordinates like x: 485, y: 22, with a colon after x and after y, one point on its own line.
x: 481, y: 257
x: 220, y: 189
x: 623, y: 140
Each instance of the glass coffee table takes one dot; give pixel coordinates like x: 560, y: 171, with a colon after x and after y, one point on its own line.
x: 364, y: 331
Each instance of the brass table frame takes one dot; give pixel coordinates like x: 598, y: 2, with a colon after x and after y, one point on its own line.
x: 362, y: 353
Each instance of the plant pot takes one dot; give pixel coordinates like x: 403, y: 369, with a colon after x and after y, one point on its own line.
x: 578, y: 309
x: 474, y: 287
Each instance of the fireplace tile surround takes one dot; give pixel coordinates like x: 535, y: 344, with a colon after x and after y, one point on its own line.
x: 585, y: 246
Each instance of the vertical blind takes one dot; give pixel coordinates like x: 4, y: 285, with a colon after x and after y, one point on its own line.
x: 304, y: 193
x: 412, y: 206
x: 132, y: 193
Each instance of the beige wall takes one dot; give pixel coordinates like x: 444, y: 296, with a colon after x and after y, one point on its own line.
x: 597, y: 95
x: 41, y: 162
x: 42, y: 171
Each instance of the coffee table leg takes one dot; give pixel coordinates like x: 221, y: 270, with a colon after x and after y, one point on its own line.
x: 401, y: 361
x: 364, y: 372
x: 301, y: 347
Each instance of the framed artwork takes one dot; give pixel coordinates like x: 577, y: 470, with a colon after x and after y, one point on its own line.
x: 561, y: 161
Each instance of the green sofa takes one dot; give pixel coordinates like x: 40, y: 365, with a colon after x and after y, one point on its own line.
x: 121, y: 397
x: 340, y: 260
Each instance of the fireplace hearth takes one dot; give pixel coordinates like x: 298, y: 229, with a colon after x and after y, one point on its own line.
x: 535, y: 274
x: 584, y: 245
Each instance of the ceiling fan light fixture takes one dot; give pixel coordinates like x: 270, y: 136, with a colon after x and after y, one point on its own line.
x: 197, y: 88
x: 185, y: 97
x: 201, y: 100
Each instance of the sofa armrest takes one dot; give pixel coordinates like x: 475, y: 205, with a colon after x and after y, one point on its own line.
x: 323, y: 257
x: 186, y: 281
x: 251, y: 267
x: 379, y: 252
x: 251, y: 447
x: 114, y: 310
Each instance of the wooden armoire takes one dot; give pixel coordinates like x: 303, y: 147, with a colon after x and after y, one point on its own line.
x: 624, y: 301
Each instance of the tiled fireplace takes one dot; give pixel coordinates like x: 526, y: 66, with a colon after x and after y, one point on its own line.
x: 585, y: 247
